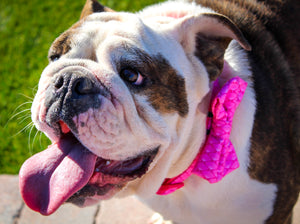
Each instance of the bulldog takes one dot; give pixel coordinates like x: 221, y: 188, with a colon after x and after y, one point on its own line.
x: 193, y: 107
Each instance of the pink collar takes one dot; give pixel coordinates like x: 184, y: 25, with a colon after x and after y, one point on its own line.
x: 217, y: 158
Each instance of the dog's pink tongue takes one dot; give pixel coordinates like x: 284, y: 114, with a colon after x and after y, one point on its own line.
x: 50, y: 177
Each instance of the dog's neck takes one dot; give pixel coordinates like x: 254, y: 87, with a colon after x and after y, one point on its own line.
x: 217, y: 157
x: 230, y: 69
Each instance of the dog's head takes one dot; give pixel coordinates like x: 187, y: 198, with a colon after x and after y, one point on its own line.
x: 124, y: 102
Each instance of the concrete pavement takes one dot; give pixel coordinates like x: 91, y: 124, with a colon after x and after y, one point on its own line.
x: 116, y: 211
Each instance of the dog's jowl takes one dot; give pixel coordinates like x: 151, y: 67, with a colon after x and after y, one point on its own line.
x: 193, y: 107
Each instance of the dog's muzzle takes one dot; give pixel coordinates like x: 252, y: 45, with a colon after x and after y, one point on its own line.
x: 71, y: 93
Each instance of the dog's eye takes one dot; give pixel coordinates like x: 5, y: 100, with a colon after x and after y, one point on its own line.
x: 54, y: 57
x: 132, y: 76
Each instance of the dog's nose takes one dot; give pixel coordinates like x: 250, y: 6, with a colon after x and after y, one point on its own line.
x: 75, y: 84
x: 70, y: 94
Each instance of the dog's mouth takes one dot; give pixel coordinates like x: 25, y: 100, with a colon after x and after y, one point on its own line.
x: 68, y: 171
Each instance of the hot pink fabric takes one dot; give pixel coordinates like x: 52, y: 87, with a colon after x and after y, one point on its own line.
x: 217, y: 158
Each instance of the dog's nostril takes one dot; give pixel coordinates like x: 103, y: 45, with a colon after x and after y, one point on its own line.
x: 82, y: 86
x: 59, y: 82
x: 75, y: 83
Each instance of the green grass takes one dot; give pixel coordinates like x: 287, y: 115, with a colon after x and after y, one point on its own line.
x: 27, y: 29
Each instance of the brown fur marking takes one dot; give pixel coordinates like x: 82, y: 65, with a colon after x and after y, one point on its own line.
x: 92, y: 6
x: 167, y: 92
x: 60, y: 46
x: 211, y: 52
x: 164, y: 88
x: 210, y: 49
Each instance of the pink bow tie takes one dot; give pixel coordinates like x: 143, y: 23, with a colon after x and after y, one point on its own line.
x: 217, y: 158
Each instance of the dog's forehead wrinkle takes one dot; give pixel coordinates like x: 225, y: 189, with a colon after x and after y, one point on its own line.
x: 120, y: 17
x: 113, y: 23
x: 135, y: 57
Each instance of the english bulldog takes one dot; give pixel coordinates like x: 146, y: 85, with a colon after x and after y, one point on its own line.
x: 191, y: 106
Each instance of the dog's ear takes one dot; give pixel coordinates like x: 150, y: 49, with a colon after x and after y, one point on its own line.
x: 207, y: 36
x: 92, y: 6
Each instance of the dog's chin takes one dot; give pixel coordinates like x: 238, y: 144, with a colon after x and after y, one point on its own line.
x: 110, y: 176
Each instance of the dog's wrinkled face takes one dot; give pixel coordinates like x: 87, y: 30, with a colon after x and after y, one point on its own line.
x: 112, y: 91
x: 119, y: 99
x: 108, y: 88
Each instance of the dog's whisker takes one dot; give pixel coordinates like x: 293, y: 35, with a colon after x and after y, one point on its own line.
x: 34, y: 90
x: 31, y: 146
x: 29, y: 126
x: 28, y: 102
x: 24, y: 128
x: 24, y: 118
x: 28, y: 97
x: 16, y: 114
x: 24, y: 115
x: 29, y: 140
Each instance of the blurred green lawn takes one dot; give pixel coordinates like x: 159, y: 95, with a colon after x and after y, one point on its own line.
x: 27, y: 29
